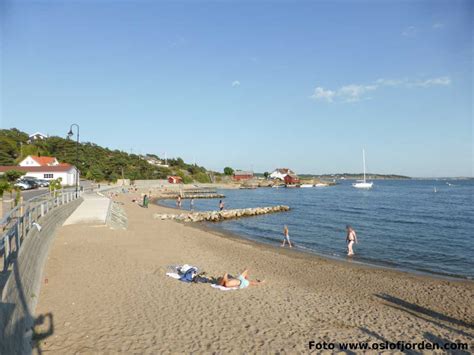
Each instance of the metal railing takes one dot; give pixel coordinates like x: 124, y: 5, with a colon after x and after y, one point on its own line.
x: 16, y: 224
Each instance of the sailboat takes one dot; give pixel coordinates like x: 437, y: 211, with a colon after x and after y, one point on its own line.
x: 363, y: 184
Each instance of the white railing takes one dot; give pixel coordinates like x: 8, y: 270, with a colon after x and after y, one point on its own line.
x: 16, y: 224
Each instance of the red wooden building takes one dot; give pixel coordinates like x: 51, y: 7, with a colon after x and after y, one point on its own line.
x: 291, y: 179
x: 175, y: 179
x: 243, y: 175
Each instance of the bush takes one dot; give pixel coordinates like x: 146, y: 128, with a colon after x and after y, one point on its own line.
x: 202, y: 178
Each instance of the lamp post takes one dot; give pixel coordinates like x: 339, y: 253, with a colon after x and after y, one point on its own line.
x: 69, y: 135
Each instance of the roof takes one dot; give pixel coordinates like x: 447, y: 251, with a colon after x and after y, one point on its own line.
x: 284, y: 171
x: 38, y: 133
x: 43, y: 160
x: 38, y: 169
x: 241, y: 172
x: 174, y: 177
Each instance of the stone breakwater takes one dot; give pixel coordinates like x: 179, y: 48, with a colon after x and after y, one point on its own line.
x: 216, y: 216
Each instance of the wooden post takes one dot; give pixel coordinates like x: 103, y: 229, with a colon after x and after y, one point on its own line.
x: 17, y: 237
x: 6, y: 256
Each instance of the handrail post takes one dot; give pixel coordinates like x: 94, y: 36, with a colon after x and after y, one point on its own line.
x: 17, y: 237
x: 42, y: 209
x: 6, y: 247
x: 29, y: 220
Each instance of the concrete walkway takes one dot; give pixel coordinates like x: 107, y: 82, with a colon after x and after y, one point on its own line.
x: 93, y: 209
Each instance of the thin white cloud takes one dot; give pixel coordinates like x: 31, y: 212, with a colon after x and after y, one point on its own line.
x: 410, y: 31
x: 443, y: 81
x: 353, y: 92
x: 359, y: 92
x: 321, y: 94
x: 235, y: 83
x: 438, y: 26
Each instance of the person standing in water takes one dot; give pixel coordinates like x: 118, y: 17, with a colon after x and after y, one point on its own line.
x: 191, y: 204
x: 178, y: 201
x: 221, y: 205
x: 351, y: 238
x: 286, y: 237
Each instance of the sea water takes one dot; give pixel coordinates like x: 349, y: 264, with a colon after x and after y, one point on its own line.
x: 415, y: 225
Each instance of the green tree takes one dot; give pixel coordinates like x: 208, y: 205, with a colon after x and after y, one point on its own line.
x: 228, y: 171
x: 55, y: 185
x: 202, y: 178
x: 266, y: 174
x: 13, y: 175
x: 4, y: 187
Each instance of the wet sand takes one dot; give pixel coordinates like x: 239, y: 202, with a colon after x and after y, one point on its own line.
x: 107, y: 292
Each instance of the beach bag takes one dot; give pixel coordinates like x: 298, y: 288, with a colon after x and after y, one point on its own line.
x: 188, y: 273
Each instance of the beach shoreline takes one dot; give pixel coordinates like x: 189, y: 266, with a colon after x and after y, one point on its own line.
x: 108, y: 292
x: 213, y: 227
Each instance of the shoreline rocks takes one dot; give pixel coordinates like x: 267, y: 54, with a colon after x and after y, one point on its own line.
x: 217, y: 216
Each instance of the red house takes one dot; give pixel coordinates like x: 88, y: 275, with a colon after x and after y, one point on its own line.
x: 243, y: 175
x: 175, y: 179
x: 291, y: 179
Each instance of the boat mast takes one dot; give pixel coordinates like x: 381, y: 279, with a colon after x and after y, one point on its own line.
x: 363, y: 159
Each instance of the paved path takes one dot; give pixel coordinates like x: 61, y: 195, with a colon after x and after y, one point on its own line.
x: 93, y: 209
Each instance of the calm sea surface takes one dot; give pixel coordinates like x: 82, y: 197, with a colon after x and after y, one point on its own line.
x: 400, y: 224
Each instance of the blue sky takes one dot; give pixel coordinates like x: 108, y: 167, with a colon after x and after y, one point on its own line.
x: 252, y: 84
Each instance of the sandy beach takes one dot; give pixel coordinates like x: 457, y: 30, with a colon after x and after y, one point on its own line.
x: 108, y: 293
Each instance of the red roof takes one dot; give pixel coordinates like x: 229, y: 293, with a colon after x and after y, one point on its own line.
x: 43, y: 161
x: 38, y: 169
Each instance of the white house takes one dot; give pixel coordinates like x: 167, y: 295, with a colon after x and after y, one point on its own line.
x: 66, y: 172
x: 37, y: 136
x: 33, y: 160
x: 281, y: 173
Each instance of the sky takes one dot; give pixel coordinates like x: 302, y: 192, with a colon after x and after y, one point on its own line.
x: 254, y: 85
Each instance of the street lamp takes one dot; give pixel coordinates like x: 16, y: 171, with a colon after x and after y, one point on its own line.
x: 69, y: 135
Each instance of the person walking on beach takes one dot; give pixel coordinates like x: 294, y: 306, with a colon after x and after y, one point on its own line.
x: 221, y: 205
x: 286, y: 237
x: 145, y: 201
x: 351, y: 238
x: 178, y: 201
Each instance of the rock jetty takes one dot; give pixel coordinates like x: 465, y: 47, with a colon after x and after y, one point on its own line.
x: 217, y: 216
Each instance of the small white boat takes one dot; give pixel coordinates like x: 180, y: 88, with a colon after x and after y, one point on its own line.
x: 321, y: 185
x: 307, y: 185
x: 363, y: 184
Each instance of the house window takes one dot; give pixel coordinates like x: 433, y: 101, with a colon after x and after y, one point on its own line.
x: 48, y: 176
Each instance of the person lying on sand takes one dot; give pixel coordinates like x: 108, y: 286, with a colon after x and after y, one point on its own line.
x: 242, y: 281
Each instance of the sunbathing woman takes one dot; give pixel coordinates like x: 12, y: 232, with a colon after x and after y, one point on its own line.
x: 241, y: 281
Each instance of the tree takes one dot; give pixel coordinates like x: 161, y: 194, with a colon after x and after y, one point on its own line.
x: 4, y: 187
x: 228, y: 171
x: 13, y: 175
x: 55, y: 185
x: 202, y: 178
x: 266, y: 174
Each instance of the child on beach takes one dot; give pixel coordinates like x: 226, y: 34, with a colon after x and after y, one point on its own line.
x: 286, y: 237
x: 351, y: 238
x: 145, y: 201
x: 221, y: 205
